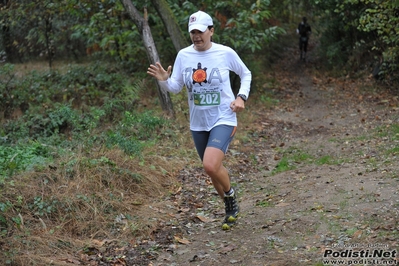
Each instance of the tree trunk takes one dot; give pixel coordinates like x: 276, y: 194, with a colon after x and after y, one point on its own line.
x: 47, y: 33
x: 171, y: 25
x: 6, y: 34
x: 142, y: 24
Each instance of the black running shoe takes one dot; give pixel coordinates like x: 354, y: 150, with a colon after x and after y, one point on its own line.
x: 232, y: 211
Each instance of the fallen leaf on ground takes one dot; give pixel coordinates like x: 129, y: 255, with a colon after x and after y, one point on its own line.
x: 182, y: 240
x: 227, y: 249
x: 204, y: 219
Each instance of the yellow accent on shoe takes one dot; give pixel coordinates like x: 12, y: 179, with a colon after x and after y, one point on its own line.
x: 231, y: 219
x: 226, y: 227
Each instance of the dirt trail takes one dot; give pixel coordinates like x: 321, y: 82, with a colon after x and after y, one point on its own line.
x: 346, y: 198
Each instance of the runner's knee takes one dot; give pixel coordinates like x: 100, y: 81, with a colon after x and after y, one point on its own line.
x: 211, y: 167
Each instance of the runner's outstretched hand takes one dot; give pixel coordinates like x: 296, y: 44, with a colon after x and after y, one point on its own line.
x: 158, y: 72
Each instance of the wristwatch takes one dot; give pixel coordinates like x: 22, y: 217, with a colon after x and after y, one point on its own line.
x: 242, y: 96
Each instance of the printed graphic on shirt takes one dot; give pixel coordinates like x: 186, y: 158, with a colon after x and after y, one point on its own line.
x: 199, y: 74
x: 205, y: 89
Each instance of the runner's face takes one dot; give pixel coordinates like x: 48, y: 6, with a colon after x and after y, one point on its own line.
x: 201, y: 40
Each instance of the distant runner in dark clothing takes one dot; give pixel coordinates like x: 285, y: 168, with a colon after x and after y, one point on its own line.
x: 304, y: 32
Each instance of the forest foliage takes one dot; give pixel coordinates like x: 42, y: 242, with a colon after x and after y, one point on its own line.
x: 357, y: 34
x: 352, y: 31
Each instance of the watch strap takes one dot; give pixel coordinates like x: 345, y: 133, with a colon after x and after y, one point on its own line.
x: 242, y: 96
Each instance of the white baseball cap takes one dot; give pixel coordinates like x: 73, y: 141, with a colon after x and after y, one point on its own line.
x: 199, y: 21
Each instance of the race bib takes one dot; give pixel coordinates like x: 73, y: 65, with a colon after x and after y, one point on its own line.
x: 207, y: 98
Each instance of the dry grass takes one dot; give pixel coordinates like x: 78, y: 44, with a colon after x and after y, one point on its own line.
x: 83, y: 203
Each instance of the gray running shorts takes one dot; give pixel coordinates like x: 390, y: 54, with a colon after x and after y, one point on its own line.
x: 219, y: 137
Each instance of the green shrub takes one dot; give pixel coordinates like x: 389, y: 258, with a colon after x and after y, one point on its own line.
x: 129, y: 145
x: 143, y: 126
x: 81, y: 85
x: 22, y: 157
x: 41, y: 207
x: 135, y: 131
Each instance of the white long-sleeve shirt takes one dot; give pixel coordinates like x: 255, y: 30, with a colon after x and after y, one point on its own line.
x: 205, y: 74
